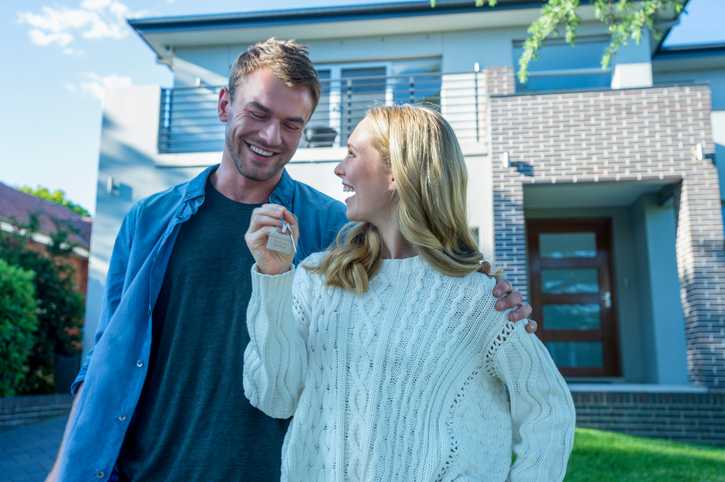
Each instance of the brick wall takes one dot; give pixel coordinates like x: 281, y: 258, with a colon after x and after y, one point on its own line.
x: 682, y: 417
x: 612, y: 136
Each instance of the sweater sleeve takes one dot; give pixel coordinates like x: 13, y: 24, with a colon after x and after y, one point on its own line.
x: 275, y: 361
x: 542, y: 411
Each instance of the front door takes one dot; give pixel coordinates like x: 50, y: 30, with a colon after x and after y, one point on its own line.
x: 570, y: 268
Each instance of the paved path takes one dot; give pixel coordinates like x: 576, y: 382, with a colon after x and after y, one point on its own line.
x: 27, y: 452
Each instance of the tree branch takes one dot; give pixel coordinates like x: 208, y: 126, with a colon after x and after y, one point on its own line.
x: 625, y: 22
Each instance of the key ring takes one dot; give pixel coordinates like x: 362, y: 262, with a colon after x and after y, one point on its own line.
x: 287, y: 229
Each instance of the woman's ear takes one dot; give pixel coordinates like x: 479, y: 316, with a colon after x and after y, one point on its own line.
x: 391, y: 184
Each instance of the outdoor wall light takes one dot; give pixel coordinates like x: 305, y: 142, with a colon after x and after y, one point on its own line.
x: 113, y: 188
x: 699, y: 155
x: 505, y: 159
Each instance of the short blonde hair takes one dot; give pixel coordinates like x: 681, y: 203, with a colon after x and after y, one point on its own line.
x: 288, y: 61
x: 420, y: 148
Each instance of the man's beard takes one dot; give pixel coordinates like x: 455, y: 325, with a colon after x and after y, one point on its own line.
x: 246, y: 171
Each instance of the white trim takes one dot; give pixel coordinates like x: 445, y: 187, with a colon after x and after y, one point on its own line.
x: 303, y: 155
x: 634, y: 388
x: 44, y: 239
x: 319, y: 154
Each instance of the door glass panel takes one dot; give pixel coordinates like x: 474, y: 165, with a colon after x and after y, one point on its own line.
x: 558, y: 281
x: 568, y: 245
x: 576, y: 353
x: 573, y: 317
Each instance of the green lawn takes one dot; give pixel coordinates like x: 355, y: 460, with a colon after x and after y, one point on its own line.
x: 606, y: 456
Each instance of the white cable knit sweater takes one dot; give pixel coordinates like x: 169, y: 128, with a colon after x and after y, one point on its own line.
x: 405, y: 382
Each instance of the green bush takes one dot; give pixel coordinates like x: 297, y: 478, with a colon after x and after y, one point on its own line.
x: 60, y: 308
x: 17, y: 325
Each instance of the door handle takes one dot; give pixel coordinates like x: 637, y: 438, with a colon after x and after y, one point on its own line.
x: 607, y: 299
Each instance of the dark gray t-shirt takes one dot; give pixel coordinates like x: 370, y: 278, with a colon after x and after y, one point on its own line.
x: 193, y: 421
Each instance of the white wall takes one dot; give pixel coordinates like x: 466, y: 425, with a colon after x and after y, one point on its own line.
x: 129, y: 156
x: 459, y: 51
x: 664, y: 345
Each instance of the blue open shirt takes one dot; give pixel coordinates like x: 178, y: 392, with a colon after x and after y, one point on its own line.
x: 115, y: 369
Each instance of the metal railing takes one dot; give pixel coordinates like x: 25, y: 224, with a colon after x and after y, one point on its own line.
x: 188, y: 117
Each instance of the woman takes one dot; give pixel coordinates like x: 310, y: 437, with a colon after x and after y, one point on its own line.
x: 387, y: 348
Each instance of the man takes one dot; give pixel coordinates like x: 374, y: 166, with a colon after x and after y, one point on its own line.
x: 160, y: 396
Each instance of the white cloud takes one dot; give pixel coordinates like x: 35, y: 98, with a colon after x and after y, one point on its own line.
x: 38, y: 37
x: 95, y: 19
x: 96, y: 4
x: 97, y: 85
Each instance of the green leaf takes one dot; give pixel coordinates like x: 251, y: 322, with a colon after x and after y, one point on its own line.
x: 625, y: 19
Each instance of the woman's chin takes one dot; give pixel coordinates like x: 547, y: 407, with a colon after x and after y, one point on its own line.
x: 350, y: 214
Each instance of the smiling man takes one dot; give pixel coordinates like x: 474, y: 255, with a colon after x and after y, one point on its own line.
x: 160, y: 396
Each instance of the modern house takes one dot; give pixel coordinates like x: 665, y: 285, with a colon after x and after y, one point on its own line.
x: 597, y: 191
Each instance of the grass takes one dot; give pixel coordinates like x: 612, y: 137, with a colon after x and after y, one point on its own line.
x: 606, y: 456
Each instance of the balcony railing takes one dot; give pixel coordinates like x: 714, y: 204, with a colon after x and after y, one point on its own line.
x: 189, y: 123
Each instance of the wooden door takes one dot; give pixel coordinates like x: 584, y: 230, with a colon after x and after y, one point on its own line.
x: 570, y: 269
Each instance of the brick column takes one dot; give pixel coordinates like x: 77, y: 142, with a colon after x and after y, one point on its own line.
x: 508, y: 225
x: 508, y: 212
x: 701, y: 267
x: 500, y: 80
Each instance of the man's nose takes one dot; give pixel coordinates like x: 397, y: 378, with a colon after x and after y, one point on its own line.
x: 271, y: 134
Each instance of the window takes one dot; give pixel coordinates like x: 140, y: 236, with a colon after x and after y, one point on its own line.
x: 561, y: 66
x: 350, y: 89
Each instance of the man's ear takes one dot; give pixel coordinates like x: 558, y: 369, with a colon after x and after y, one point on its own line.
x: 225, y: 101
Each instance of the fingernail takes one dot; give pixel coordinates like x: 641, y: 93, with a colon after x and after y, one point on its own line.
x: 516, y: 316
x: 278, y: 212
x: 497, y: 293
x: 501, y: 305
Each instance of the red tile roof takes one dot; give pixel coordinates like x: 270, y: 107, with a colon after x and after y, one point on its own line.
x: 18, y: 205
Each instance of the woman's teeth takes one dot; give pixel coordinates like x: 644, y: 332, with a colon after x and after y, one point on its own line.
x: 347, y: 189
x: 259, y: 151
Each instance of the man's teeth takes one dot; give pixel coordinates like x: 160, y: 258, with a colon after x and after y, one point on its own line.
x: 347, y: 189
x: 259, y: 151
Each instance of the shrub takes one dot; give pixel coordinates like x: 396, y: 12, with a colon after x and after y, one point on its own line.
x: 60, y: 308
x: 17, y: 325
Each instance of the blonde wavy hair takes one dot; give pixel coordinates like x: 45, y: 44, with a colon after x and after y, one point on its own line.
x: 420, y: 148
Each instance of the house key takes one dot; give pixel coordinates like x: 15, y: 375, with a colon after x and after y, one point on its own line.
x: 283, y: 242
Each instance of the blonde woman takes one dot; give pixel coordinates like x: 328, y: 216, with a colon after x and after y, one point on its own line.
x: 387, y: 349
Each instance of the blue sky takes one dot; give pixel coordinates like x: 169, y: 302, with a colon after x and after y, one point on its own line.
x: 59, y: 57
